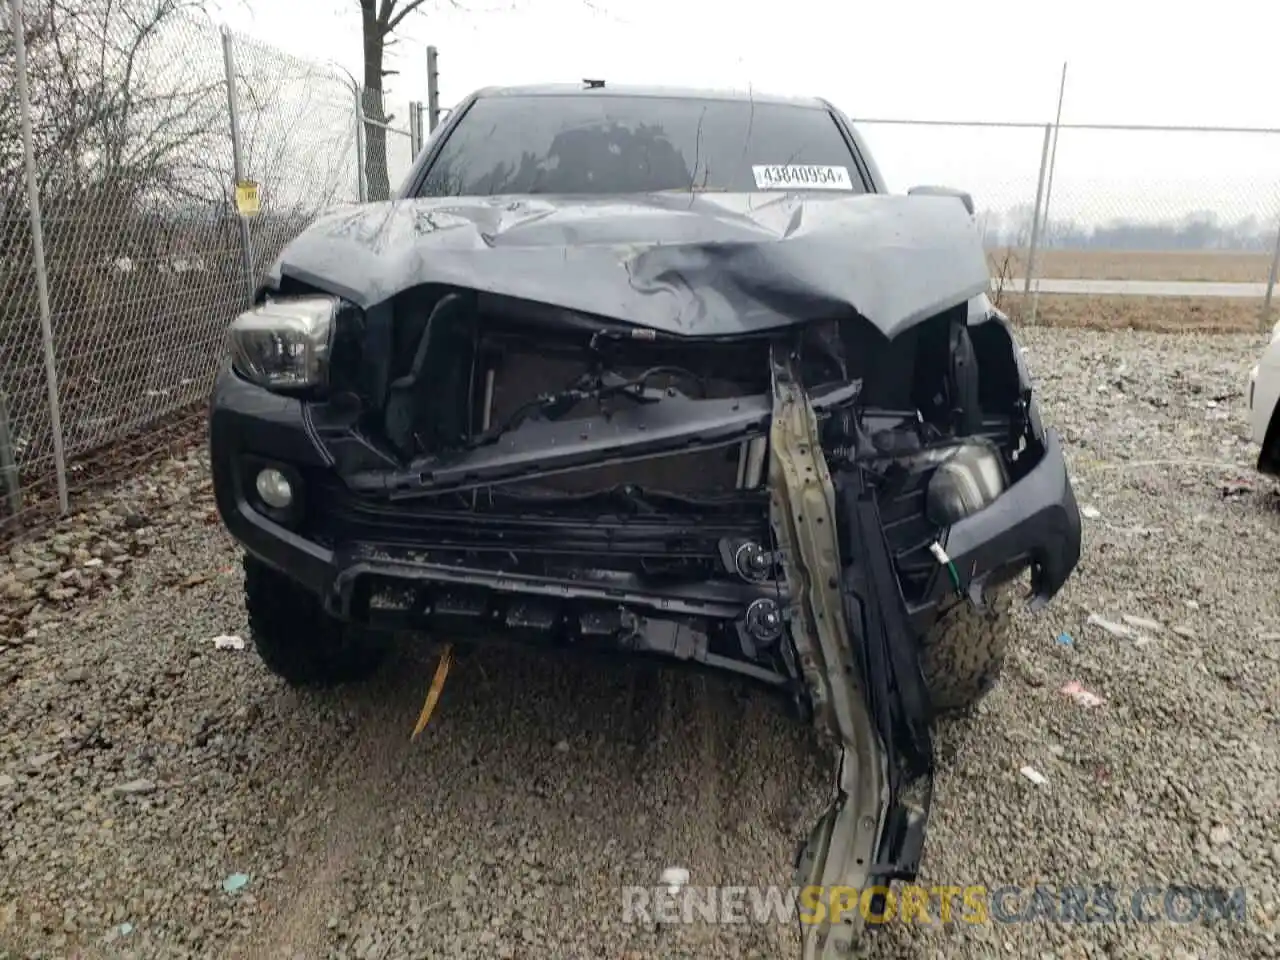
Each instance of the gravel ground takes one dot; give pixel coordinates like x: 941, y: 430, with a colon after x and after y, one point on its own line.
x: 141, y: 768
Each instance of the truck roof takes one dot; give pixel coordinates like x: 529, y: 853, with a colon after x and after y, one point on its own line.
x: 587, y: 88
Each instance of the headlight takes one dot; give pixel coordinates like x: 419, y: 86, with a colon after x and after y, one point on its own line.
x: 968, y: 480
x: 284, y: 344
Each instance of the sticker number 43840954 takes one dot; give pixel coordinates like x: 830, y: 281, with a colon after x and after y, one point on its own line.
x: 801, y: 177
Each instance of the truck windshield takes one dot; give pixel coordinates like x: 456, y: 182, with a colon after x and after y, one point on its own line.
x: 601, y: 144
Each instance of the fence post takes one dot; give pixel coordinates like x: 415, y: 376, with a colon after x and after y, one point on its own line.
x: 1035, y: 216
x: 9, y: 479
x: 237, y: 156
x: 433, y: 91
x: 1265, y: 319
x: 362, y: 189
x: 37, y: 245
x: 415, y: 128
x: 1048, y: 185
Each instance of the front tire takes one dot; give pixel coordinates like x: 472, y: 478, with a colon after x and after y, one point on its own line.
x: 964, y: 651
x: 297, y: 640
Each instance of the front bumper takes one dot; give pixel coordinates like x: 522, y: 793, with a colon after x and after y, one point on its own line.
x: 1035, y: 523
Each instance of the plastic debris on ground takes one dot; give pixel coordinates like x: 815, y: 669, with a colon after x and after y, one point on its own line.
x: 675, y: 879
x: 1111, y: 627
x: 1126, y: 631
x: 1138, y: 531
x: 1034, y: 775
x: 235, y: 883
x: 1065, y: 639
x: 1142, y: 623
x: 1090, y: 513
x: 229, y: 642
x: 434, y: 691
x: 116, y: 932
x: 1236, y: 488
x: 1082, y: 696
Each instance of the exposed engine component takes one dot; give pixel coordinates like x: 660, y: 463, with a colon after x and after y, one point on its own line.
x: 764, y: 620
x: 753, y: 562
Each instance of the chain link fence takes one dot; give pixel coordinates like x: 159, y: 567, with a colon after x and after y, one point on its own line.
x: 143, y: 118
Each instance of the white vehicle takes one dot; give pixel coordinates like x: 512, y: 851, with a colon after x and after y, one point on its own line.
x: 1264, y: 392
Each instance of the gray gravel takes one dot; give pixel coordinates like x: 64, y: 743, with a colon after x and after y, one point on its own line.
x: 141, y: 768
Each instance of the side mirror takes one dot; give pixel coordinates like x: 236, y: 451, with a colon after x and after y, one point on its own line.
x: 928, y: 191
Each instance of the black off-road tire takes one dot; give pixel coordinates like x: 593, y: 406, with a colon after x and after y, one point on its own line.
x: 963, y: 653
x: 297, y: 640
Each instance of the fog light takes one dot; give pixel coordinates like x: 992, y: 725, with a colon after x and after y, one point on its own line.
x: 274, y: 488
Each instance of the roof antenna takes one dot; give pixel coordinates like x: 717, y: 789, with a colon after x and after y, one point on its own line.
x: 593, y: 84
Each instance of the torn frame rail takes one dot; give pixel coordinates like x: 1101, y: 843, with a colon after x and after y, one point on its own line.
x: 842, y: 849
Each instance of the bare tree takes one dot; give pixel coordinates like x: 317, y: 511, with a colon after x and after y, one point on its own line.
x: 378, y: 22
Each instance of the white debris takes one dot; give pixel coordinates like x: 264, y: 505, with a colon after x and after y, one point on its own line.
x: 1115, y: 629
x: 1034, y: 775
x: 1090, y: 513
x: 1142, y: 623
x: 1138, y: 531
x: 675, y: 879
x: 229, y: 642
x: 135, y: 787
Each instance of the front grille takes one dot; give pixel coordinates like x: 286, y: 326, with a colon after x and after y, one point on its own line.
x: 478, y: 530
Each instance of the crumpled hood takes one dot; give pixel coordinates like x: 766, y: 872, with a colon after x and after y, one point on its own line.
x: 695, y: 265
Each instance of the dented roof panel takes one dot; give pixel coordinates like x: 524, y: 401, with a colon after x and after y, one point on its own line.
x: 689, y: 264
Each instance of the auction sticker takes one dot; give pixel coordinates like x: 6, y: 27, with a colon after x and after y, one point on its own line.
x: 801, y: 177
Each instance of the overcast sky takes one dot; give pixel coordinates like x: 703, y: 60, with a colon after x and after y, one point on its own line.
x: 1129, y: 62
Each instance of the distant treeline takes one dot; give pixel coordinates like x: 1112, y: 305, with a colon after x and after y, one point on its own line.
x: 1202, y: 230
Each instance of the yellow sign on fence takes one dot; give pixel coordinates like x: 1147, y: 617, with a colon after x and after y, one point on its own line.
x: 247, y: 200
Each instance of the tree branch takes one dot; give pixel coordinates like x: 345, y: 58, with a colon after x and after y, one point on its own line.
x: 409, y: 7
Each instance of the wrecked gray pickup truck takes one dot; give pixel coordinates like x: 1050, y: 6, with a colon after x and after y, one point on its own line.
x: 663, y: 373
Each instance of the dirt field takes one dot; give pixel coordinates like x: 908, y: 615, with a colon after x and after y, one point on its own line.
x: 1138, y: 265
x: 1157, y: 314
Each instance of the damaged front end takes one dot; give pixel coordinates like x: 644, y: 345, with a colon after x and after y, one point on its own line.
x: 790, y: 496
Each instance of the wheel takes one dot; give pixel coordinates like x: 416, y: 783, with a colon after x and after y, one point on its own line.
x: 297, y: 640
x: 963, y: 652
